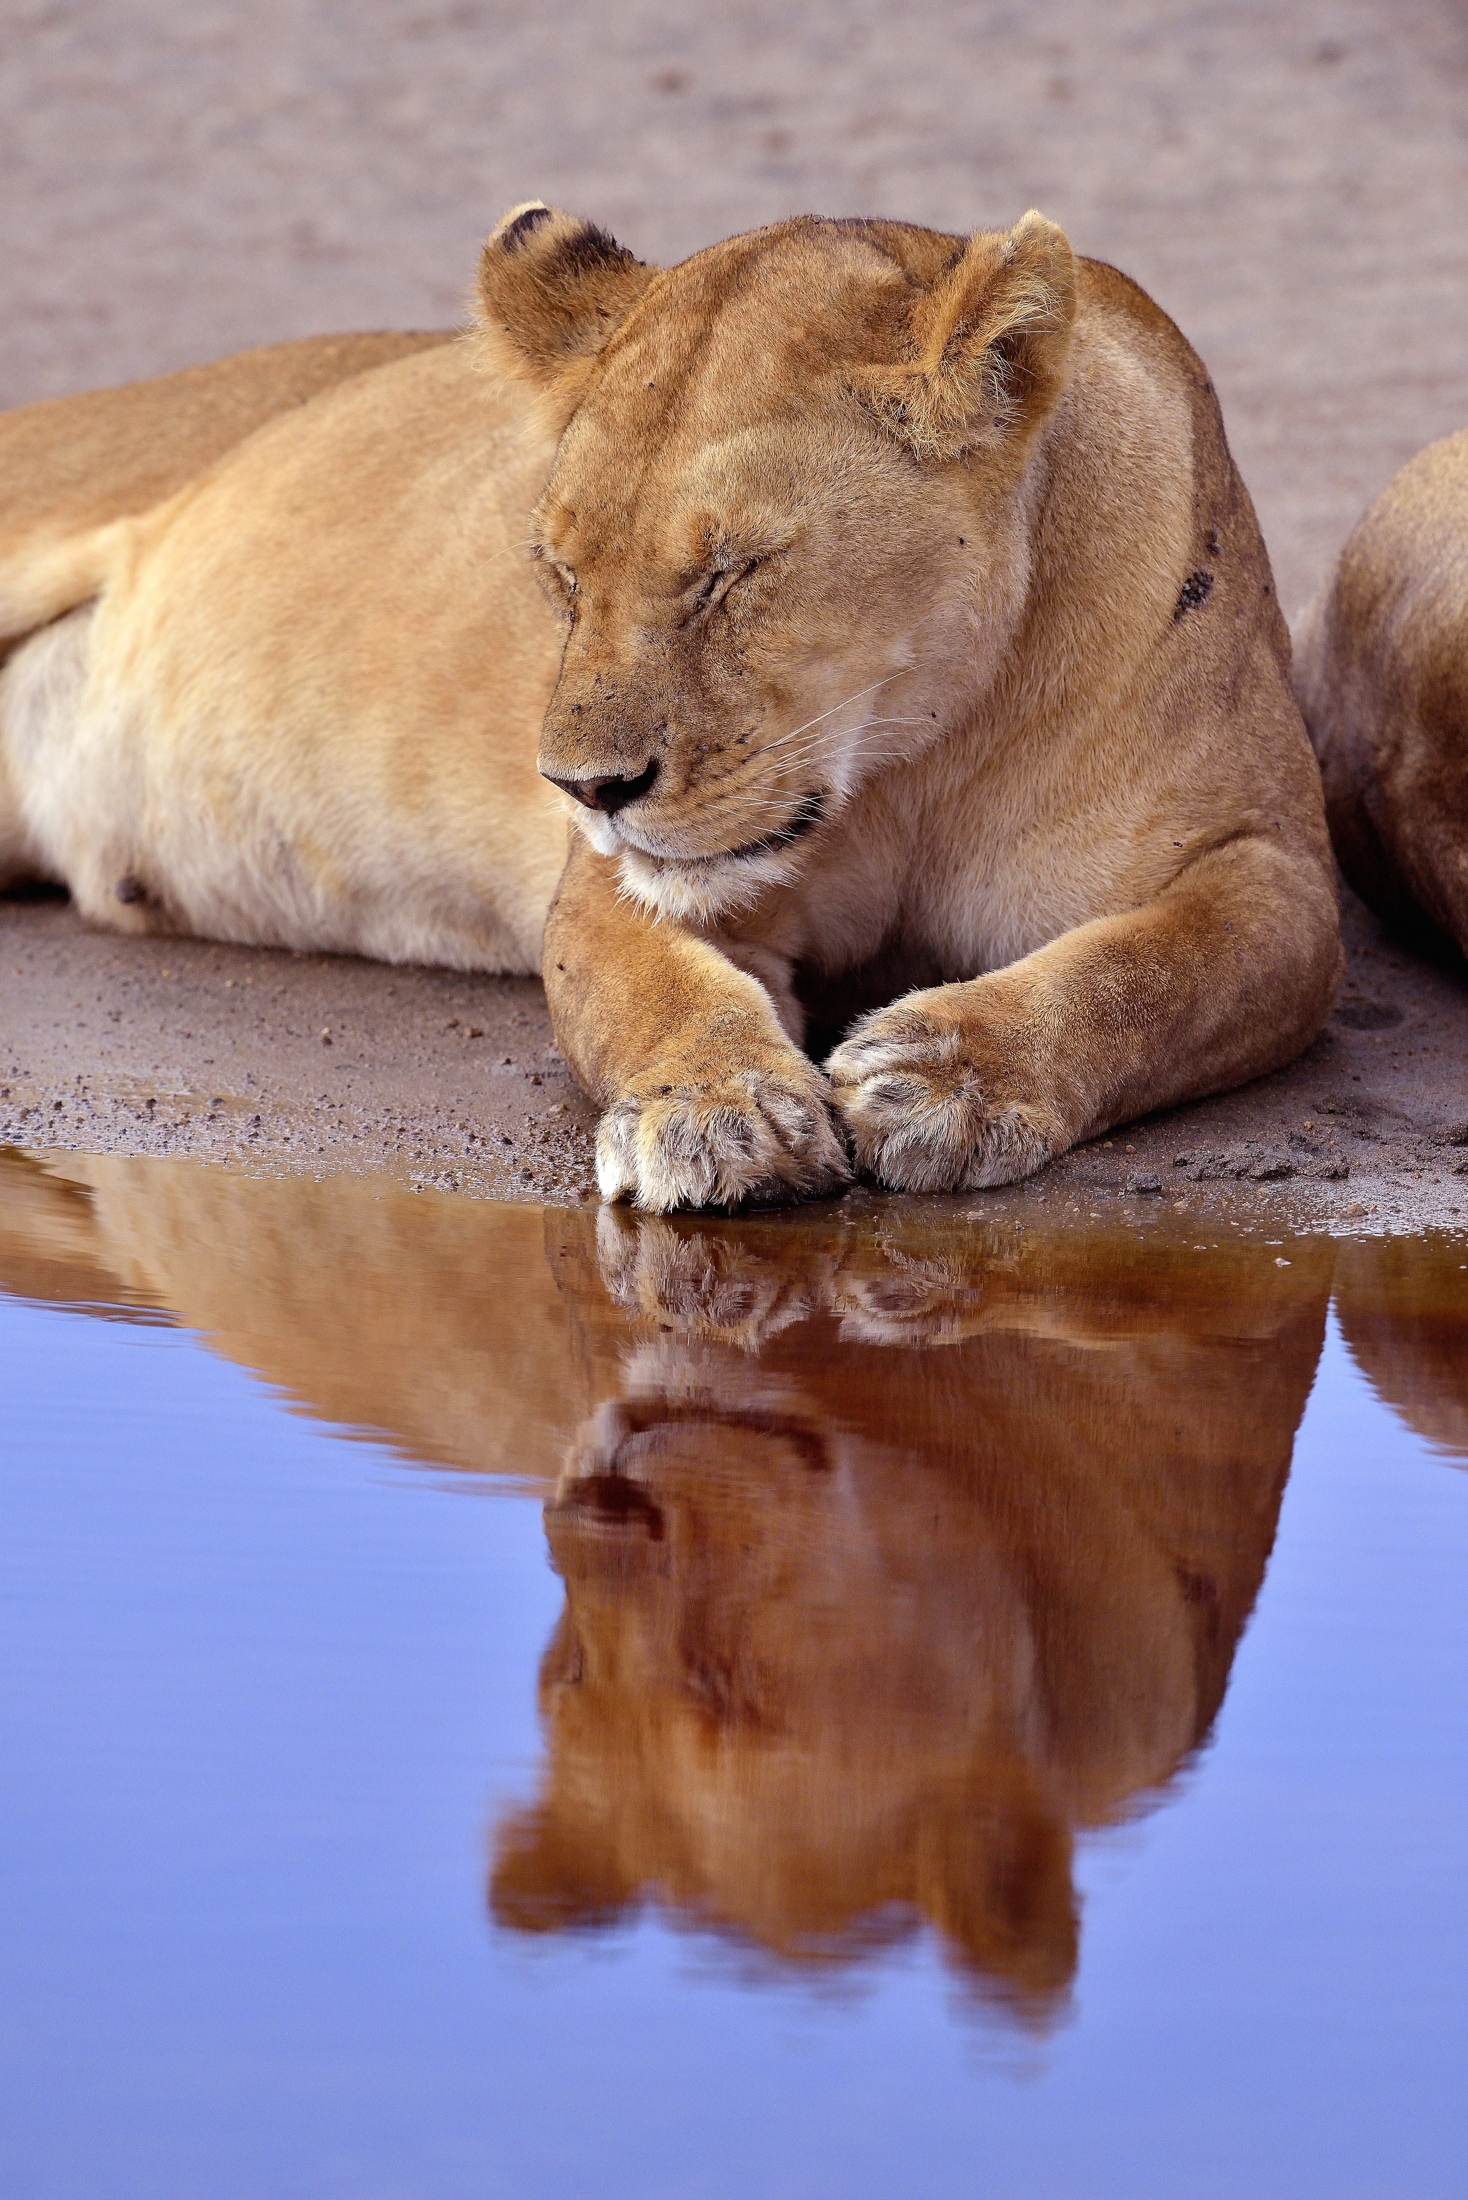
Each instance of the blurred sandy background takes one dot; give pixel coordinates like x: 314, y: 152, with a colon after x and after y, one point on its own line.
x: 1290, y: 181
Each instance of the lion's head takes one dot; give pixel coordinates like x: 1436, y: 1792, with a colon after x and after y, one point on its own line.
x: 781, y: 527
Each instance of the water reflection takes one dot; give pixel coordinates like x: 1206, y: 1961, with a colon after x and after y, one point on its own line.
x: 893, y: 1556
x: 898, y: 1547
x: 1403, y: 1310
x: 434, y: 1323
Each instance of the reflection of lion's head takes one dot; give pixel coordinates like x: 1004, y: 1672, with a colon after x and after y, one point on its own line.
x: 801, y: 1714
x: 780, y: 528
x: 857, y: 1634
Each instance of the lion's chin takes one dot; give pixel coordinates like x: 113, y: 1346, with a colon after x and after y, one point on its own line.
x: 702, y: 889
x: 697, y: 889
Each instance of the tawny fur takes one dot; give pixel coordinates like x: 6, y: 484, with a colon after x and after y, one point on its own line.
x: 913, y: 572
x: 1382, y: 677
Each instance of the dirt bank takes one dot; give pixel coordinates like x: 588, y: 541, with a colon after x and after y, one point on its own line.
x: 1290, y: 184
x: 323, y: 1063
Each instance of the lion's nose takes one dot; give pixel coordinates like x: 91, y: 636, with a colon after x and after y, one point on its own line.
x: 606, y: 794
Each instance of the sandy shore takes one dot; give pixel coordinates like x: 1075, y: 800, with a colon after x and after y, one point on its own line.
x: 453, y: 1083
x: 1289, y: 183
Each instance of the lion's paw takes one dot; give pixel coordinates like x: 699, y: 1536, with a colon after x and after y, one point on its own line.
x: 754, y: 1137
x: 927, y: 1114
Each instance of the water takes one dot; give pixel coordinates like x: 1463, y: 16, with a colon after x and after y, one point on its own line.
x: 866, y: 1701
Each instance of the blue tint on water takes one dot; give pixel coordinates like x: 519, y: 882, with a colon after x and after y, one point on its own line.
x: 265, y: 1691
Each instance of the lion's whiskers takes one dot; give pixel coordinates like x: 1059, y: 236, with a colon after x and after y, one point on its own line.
x: 726, y: 796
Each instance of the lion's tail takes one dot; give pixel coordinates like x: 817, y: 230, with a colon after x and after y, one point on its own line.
x: 47, y: 575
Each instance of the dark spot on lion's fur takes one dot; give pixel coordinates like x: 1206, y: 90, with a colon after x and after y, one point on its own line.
x: 1196, y: 589
x: 523, y: 228
x: 1214, y: 545
x: 130, y: 889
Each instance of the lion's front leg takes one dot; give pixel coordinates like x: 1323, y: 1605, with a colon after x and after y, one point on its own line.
x: 1225, y: 976
x: 708, y: 1103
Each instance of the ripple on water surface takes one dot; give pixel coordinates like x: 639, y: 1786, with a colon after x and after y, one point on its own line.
x: 928, y: 1706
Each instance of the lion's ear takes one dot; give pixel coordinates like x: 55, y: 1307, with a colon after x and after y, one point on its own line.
x: 552, y: 289
x: 990, y: 344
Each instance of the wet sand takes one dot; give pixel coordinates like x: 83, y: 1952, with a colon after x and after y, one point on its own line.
x: 1288, y: 183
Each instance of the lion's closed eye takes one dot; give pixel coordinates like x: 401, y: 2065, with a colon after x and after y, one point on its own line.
x: 710, y: 589
x: 558, y: 578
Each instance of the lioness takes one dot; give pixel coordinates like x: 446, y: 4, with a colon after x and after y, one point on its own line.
x: 896, y: 633
x: 1382, y: 677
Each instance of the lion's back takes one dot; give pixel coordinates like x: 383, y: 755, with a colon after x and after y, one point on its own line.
x: 68, y: 463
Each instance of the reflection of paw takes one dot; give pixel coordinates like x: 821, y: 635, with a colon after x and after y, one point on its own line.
x: 704, y: 1283
x: 755, y: 1136
x: 926, y: 1114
